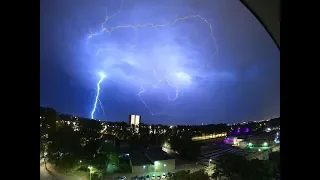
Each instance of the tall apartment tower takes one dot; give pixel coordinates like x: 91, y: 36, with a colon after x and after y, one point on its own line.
x: 135, y: 120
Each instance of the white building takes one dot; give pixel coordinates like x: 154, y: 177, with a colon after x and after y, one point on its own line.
x: 135, y: 120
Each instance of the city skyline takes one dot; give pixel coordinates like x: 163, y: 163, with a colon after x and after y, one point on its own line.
x: 172, y: 124
x: 241, y: 83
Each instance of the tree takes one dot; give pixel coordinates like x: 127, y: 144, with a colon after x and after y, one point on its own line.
x: 228, y: 166
x: 274, y: 122
x: 256, y: 169
x: 144, y: 130
x: 114, y: 158
x: 99, y: 163
x: 199, y: 175
x: 106, y: 154
x: 43, y: 148
x: 64, y: 148
x: 90, y: 129
x: 186, y: 175
x: 181, y: 175
x: 68, y: 163
x: 49, y: 117
x: 236, y: 167
x: 124, y: 134
x: 274, y: 159
x: 48, y: 120
x: 185, y: 147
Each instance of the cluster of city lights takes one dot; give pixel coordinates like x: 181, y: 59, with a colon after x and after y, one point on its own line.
x: 250, y: 145
x: 209, y: 136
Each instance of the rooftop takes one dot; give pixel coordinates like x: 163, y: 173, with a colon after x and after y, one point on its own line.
x: 139, y: 159
x: 156, y: 154
x: 124, y: 150
x: 262, y: 135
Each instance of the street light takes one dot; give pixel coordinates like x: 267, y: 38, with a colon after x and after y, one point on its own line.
x: 210, y: 161
x: 91, y: 171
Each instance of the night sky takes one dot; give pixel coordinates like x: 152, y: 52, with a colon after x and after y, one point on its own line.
x: 232, y: 77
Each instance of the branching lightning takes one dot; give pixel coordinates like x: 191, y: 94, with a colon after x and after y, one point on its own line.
x: 102, y: 76
x: 101, y: 106
x: 166, y: 80
x: 145, y: 104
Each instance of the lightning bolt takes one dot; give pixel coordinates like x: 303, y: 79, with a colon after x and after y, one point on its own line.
x: 166, y: 81
x: 101, y: 106
x: 145, y: 104
x: 102, y: 76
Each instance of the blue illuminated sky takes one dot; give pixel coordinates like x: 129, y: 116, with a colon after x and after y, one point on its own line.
x: 240, y: 80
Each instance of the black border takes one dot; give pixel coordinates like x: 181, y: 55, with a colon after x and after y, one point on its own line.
x: 299, y: 129
x: 284, y: 122
x: 20, y: 96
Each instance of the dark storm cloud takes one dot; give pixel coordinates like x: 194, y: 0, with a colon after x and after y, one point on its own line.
x: 239, y: 80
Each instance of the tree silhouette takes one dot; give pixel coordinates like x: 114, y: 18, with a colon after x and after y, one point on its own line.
x: 199, y: 175
x: 236, y: 167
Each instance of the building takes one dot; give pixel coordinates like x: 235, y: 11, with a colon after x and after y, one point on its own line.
x: 152, y: 159
x: 243, y: 144
x: 112, y: 139
x: 229, y: 140
x: 208, y: 136
x: 139, y: 162
x: 161, y: 160
x: 233, y: 140
x: 123, y: 144
x: 134, y: 119
x: 261, y: 140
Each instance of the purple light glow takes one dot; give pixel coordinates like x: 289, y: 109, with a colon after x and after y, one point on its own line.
x: 228, y: 140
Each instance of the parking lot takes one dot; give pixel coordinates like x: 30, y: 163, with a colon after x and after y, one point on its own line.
x: 130, y: 176
x: 144, y: 176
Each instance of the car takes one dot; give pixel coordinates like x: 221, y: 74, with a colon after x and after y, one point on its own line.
x: 147, y: 177
x: 135, y: 178
x: 163, y: 175
x: 169, y: 174
x: 153, y: 177
x: 158, y: 177
x: 121, y: 178
x: 141, y: 178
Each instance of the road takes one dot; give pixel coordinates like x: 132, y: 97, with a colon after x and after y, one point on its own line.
x: 50, y: 174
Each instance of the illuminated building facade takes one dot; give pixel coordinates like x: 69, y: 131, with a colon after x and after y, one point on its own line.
x: 134, y: 119
x: 152, y: 159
